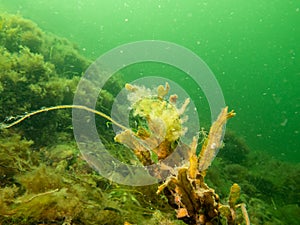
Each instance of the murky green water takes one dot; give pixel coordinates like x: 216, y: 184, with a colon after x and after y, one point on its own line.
x: 252, y: 48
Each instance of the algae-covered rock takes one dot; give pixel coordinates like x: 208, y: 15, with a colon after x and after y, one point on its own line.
x: 17, y: 32
x: 29, y: 78
x: 39, y: 69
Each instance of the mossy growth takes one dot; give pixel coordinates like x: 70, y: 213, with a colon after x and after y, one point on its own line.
x: 29, y: 79
x: 39, y: 69
x: 156, y: 108
x: 235, y: 149
x: 17, y: 33
x: 15, y: 156
x: 54, y: 185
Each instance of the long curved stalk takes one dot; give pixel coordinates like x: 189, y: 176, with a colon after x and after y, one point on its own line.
x: 26, y: 116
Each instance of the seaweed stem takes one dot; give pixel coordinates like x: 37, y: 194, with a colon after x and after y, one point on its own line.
x: 213, y: 142
x: 245, y: 213
x: 5, y: 126
x: 40, y: 194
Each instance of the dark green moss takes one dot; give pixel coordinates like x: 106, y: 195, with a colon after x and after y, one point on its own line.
x: 39, y: 69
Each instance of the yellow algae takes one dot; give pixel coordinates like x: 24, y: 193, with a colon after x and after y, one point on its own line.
x: 235, y: 192
x: 157, y: 123
x: 213, y: 142
x: 163, y: 91
x: 193, y: 167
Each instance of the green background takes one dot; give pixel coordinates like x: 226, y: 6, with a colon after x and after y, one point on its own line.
x: 252, y: 47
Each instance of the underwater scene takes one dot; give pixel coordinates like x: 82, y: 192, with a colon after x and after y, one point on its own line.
x: 149, y: 112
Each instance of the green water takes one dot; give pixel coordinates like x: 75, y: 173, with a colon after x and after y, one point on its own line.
x: 251, y: 46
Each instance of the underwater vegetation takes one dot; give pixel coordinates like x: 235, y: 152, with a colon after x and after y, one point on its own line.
x: 56, y: 186
x: 38, y: 70
x: 31, y: 77
x: 152, y: 141
x: 45, y: 180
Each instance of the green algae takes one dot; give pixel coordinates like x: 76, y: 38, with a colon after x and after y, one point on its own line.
x: 39, y: 69
x: 61, y: 187
x: 52, y: 184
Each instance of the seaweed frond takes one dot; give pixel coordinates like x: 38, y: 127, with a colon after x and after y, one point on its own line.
x: 214, y: 140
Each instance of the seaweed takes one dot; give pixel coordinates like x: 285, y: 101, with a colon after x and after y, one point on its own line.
x: 15, y: 156
x: 56, y: 185
x: 39, y: 69
x: 194, y: 201
x: 158, y: 130
x: 235, y: 149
